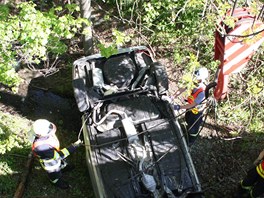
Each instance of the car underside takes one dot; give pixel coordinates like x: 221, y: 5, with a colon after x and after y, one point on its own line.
x: 134, y: 144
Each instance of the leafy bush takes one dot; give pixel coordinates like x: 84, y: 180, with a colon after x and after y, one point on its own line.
x: 13, y: 132
x: 14, y: 148
x: 29, y: 36
x: 185, y: 30
x: 243, y: 107
x: 119, y: 39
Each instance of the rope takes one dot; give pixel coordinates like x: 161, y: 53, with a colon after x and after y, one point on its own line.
x: 152, y: 165
x: 209, y: 105
x: 195, y: 123
x: 147, y: 130
x: 125, y: 139
x: 80, y: 131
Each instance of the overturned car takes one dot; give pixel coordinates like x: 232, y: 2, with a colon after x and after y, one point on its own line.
x: 134, y: 144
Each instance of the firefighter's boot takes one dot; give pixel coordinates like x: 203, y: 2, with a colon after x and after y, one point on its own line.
x: 61, y: 183
x: 68, y: 168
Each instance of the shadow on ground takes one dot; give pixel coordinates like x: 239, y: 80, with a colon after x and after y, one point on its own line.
x: 43, y: 101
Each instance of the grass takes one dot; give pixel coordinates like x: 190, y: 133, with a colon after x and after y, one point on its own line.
x: 14, y: 148
x: 39, y: 185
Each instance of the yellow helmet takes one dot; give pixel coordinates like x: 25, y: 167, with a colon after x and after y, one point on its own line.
x: 43, y: 127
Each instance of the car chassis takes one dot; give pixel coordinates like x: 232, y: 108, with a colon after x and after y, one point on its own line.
x: 134, y: 144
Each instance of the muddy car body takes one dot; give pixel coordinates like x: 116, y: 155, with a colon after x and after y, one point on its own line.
x: 134, y: 144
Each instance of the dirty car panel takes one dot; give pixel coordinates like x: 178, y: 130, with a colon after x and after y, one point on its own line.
x: 134, y: 144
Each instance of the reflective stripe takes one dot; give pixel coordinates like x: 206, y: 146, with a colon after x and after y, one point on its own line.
x: 52, y: 141
x: 193, y: 135
x: 54, y: 181
x: 47, y: 161
x: 191, y: 99
x: 55, y: 157
x: 65, y: 152
x: 194, y: 95
x: 260, y: 169
x: 244, y: 187
x: 195, y: 110
x: 51, y: 165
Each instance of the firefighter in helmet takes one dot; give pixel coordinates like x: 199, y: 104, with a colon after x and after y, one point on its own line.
x: 46, y: 148
x: 253, y: 184
x: 194, y: 107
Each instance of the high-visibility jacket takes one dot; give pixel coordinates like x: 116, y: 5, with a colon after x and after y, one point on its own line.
x: 192, y: 97
x: 260, y: 169
x: 47, y: 150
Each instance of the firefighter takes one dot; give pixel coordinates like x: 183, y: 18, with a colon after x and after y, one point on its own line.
x: 253, y: 184
x: 194, y: 107
x: 46, y: 148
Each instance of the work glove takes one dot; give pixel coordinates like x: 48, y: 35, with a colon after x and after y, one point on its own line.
x: 177, y: 107
x: 78, y: 143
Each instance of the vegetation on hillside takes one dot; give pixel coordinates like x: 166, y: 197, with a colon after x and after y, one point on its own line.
x: 180, y: 30
x: 14, y: 149
x: 35, y: 38
x: 185, y: 30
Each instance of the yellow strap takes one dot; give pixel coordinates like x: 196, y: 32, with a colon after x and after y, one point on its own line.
x: 65, y: 152
x: 245, y: 187
x: 195, y: 110
x: 260, y: 170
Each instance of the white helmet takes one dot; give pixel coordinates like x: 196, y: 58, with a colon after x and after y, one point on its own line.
x: 201, y: 74
x: 42, y: 128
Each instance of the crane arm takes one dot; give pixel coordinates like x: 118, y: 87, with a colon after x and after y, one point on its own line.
x: 236, y: 46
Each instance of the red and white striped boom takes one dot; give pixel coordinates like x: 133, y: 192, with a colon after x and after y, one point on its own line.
x: 235, y: 48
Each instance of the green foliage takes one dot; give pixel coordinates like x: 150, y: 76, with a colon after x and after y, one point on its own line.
x: 8, y: 75
x: 14, y: 145
x: 256, y: 124
x: 13, y: 132
x: 122, y: 4
x: 119, y: 39
x: 29, y: 36
x: 255, y: 86
x: 107, y: 51
x: 186, y: 29
x: 187, y: 79
x: 244, y: 107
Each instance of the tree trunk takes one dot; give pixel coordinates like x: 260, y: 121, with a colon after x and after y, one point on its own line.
x: 85, y: 6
